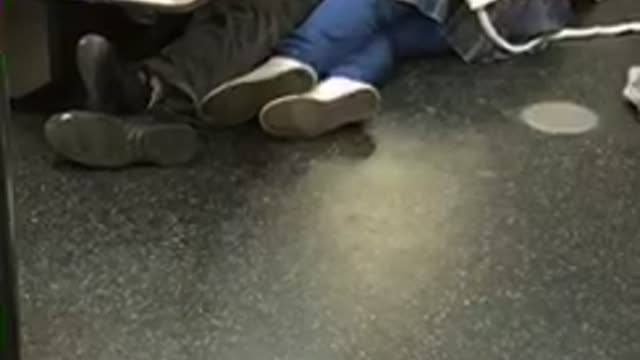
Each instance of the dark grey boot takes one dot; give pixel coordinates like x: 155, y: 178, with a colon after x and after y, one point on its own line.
x: 112, y: 87
x: 106, y: 141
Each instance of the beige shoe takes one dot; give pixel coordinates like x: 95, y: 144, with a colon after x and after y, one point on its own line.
x: 241, y: 99
x: 334, y: 103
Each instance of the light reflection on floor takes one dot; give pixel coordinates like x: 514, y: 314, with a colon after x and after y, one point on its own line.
x: 385, y: 222
x: 560, y: 118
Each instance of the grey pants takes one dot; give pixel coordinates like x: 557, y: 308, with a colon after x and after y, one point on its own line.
x: 224, y: 39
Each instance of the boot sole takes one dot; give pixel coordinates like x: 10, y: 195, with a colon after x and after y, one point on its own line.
x: 306, y: 117
x: 106, y: 142
x: 239, y: 102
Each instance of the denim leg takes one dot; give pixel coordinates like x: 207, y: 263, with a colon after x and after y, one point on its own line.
x: 336, y: 29
x: 417, y: 36
x: 413, y: 35
x: 225, y: 39
x: 371, y: 64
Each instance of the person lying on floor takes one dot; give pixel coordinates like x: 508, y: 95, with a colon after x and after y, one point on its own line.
x: 322, y: 76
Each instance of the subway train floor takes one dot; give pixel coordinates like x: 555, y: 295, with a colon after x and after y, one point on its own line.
x: 447, y: 230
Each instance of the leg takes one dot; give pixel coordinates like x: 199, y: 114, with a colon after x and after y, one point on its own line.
x: 369, y: 65
x: 94, y: 138
x: 336, y: 29
x: 346, y: 96
x: 225, y: 39
x: 236, y: 35
x: 413, y: 36
x: 333, y: 31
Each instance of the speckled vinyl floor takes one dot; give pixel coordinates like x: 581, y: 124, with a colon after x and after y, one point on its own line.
x: 448, y: 230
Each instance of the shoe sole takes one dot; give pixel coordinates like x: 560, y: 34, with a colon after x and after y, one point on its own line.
x: 106, y: 142
x: 241, y: 101
x: 298, y: 116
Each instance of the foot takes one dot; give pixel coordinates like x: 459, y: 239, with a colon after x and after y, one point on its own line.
x: 100, y: 140
x: 111, y: 86
x: 334, y: 103
x: 241, y: 99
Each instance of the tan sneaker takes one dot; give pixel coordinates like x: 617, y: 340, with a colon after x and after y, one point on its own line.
x: 241, y: 99
x: 334, y: 103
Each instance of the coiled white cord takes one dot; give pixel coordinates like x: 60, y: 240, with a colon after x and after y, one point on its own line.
x: 566, y: 34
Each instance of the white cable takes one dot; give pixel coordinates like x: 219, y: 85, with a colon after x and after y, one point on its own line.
x: 597, y: 31
x: 566, y: 34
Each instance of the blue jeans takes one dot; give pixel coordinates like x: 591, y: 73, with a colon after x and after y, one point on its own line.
x: 363, y: 39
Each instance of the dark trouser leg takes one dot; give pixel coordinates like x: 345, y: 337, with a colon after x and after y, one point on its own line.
x: 225, y: 39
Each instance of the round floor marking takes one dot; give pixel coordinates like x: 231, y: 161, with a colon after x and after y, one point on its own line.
x: 559, y: 118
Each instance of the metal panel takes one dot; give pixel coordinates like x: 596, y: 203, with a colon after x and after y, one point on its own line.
x: 9, y: 341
